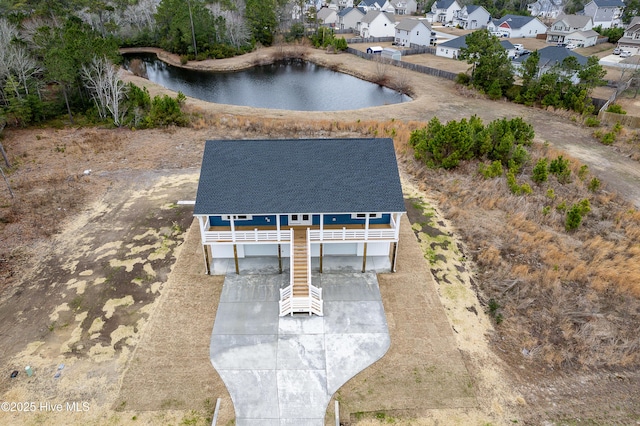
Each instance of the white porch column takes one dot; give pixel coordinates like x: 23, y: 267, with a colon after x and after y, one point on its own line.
x: 398, y: 217
x: 321, y: 228
x: 366, y: 227
x: 202, y: 223
x: 278, y: 226
x: 233, y: 228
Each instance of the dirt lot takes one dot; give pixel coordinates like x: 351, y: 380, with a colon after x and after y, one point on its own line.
x: 98, y: 303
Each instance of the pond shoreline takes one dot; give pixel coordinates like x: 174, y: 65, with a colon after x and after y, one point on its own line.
x: 267, y: 56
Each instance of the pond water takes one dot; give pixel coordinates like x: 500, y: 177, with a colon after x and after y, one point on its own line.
x: 289, y: 85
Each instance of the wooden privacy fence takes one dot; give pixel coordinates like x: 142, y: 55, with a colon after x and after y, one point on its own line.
x: 370, y: 40
x: 414, y: 67
x: 612, y: 117
x: 624, y: 119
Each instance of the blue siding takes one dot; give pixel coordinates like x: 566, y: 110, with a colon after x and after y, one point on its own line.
x: 255, y: 221
x: 345, y: 219
x: 340, y: 219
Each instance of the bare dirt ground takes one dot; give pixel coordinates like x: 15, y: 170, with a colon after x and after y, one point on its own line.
x: 97, y: 301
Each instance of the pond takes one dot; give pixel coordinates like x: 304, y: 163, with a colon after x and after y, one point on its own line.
x: 288, y: 85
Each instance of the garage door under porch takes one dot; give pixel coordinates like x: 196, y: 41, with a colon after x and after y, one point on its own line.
x: 257, y: 265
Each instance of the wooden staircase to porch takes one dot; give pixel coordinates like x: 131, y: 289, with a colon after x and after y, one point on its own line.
x: 301, y: 260
x: 300, y: 296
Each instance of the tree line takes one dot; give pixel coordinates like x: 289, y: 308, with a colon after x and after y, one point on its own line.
x: 58, y: 56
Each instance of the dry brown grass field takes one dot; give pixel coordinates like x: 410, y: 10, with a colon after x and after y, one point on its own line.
x: 568, y: 301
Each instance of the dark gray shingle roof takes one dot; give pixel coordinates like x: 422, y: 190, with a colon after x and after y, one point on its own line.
x: 461, y: 42
x: 299, y: 176
x: 444, y: 4
x: 514, y: 21
x: 346, y: 10
x: 609, y: 3
x: 552, y: 55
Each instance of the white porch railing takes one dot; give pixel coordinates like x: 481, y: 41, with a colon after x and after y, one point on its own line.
x: 255, y: 236
x: 346, y: 234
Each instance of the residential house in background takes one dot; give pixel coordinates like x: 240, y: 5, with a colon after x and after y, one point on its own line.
x: 631, y: 39
x: 545, y: 9
x: 451, y: 48
x: 340, y: 4
x: 413, y: 32
x: 443, y: 11
x: 308, y: 200
x: 518, y: 26
x: 472, y: 17
x: 367, y: 5
x: 327, y: 17
x: 575, y: 29
x: 605, y: 13
x: 349, y: 17
x: 404, y: 7
x: 376, y: 24
x: 550, y: 57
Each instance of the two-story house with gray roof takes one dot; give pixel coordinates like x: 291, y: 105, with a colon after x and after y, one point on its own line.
x: 327, y: 17
x: 631, y: 39
x: 575, y: 29
x: 340, y: 4
x: 546, y: 9
x: 309, y: 199
x: 605, y: 13
x: 349, y: 17
x: 517, y: 26
x: 415, y: 32
x: 443, y: 11
x: 376, y: 24
x: 472, y: 17
x: 404, y: 7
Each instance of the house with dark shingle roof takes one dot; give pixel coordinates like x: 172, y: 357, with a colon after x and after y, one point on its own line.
x: 472, y: 17
x: 605, y: 13
x: 517, y: 26
x: 368, y: 5
x: 551, y: 57
x: 299, y: 199
x: 451, y: 48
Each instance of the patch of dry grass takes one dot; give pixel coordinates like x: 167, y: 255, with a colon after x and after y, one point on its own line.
x: 574, y: 296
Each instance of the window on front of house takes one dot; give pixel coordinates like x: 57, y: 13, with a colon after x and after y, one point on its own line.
x: 238, y: 217
x: 364, y: 216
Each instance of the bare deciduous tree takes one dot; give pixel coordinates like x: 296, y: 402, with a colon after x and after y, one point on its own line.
x: 7, y: 33
x: 237, y: 33
x: 23, y: 65
x: 106, y: 87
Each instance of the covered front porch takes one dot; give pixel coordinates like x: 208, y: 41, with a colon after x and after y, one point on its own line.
x: 372, y: 235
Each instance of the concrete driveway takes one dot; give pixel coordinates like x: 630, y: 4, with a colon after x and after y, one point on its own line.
x: 283, y: 371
